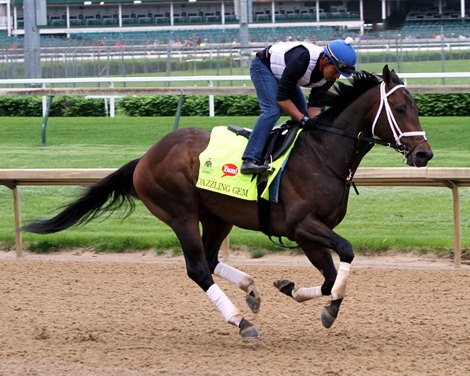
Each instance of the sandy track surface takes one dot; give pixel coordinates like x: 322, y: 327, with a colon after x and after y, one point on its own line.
x: 139, y: 314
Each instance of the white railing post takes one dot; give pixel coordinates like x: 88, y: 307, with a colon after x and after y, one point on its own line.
x: 112, y: 107
x: 44, y: 102
x: 112, y: 104
x: 211, y: 101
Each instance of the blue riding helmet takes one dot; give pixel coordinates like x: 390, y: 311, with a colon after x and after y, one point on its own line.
x: 343, y: 55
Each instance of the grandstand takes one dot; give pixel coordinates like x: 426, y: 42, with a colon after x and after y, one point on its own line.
x: 116, y: 22
x: 75, y: 14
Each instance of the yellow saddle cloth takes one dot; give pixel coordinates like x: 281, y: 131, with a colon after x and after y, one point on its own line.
x: 220, y: 164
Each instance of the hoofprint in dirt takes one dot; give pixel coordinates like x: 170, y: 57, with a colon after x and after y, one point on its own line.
x: 83, y: 313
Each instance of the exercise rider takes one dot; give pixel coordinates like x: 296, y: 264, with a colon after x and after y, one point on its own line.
x: 278, y: 72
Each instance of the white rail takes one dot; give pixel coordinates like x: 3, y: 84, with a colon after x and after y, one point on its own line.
x: 44, y: 82
x: 68, y: 86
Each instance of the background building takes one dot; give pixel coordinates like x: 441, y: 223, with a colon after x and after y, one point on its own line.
x: 217, y: 21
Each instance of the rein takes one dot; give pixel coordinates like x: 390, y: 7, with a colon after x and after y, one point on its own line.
x: 361, y: 137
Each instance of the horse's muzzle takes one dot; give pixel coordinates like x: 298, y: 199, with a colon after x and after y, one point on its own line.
x: 420, y: 154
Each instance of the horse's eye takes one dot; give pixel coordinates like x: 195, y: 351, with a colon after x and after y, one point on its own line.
x: 400, y: 110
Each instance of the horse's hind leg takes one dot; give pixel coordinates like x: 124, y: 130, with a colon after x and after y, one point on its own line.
x: 198, y: 270
x: 175, y: 202
x: 213, y: 234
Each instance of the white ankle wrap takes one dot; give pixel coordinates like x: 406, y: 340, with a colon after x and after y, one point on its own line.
x: 228, y: 310
x: 339, y: 288
x: 233, y: 275
x: 306, y: 293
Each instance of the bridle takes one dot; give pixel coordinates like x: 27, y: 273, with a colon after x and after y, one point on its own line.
x: 392, y: 123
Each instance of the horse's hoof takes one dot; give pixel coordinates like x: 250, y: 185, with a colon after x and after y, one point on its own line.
x: 285, y: 286
x: 249, y: 332
x: 327, y: 318
x: 253, y: 299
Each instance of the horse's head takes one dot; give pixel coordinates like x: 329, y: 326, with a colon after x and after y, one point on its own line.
x: 396, y: 120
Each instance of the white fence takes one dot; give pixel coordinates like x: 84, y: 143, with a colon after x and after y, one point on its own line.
x: 111, y: 88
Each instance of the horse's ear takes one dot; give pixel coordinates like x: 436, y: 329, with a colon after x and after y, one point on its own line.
x: 390, y: 76
x: 395, y: 77
x: 387, y: 75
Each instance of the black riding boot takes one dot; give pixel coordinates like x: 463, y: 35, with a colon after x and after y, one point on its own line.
x: 250, y: 166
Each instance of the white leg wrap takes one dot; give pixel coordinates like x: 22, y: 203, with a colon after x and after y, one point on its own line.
x: 339, y: 288
x: 228, y: 310
x: 233, y: 275
x: 306, y: 293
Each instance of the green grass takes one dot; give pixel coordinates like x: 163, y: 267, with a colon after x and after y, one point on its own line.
x: 380, y: 218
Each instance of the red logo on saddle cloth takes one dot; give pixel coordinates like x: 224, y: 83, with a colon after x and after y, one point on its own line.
x: 229, y: 169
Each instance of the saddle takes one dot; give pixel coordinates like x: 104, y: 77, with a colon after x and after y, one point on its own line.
x: 280, y: 139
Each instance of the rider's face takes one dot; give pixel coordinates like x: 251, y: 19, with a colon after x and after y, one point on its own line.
x: 330, y: 73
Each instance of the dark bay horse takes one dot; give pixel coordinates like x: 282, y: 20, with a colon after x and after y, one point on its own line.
x: 313, y: 194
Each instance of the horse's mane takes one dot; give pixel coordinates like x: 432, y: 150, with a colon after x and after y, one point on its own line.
x: 343, y: 94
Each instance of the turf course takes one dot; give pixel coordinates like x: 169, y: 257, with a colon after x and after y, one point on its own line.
x: 379, y: 219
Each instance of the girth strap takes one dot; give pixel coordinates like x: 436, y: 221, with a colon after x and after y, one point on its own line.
x: 264, y: 214
x: 264, y: 207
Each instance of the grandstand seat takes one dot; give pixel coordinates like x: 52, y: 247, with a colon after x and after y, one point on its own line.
x: 162, y: 20
x: 212, y: 18
x: 280, y: 16
x: 76, y: 22
x: 144, y: 20
x: 262, y: 17
x: 179, y: 19
x: 307, y: 15
x: 230, y: 18
x: 58, y: 23
x: 92, y: 21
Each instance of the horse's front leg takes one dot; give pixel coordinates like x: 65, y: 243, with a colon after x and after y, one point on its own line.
x: 346, y: 255
x: 317, y: 248
x: 321, y: 258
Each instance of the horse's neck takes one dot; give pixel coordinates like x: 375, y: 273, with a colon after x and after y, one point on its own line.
x: 356, y: 120
x: 363, y: 148
x: 342, y: 153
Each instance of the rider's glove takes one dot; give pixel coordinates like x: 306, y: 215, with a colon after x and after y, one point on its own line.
x: 304, y: 121
x: 307, y: 122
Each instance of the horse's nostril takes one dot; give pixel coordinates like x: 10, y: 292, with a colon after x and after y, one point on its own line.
x: 424, y: 155
x: 421, y: 158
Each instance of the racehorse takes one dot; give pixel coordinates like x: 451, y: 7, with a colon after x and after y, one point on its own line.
x: 313, y: 193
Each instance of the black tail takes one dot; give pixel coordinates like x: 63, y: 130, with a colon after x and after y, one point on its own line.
x: 116, y: 188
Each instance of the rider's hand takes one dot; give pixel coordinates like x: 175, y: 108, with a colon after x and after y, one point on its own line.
x: 307, y: 122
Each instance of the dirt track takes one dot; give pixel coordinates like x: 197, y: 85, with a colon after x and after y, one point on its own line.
x: 140, y: 315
